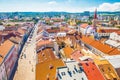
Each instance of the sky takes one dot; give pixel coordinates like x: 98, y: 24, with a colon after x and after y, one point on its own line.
x: 58, y: 5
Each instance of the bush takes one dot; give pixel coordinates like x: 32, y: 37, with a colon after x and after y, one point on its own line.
x: 8, y: 25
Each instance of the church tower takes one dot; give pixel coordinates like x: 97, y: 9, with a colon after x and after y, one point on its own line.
x: 94, y: 22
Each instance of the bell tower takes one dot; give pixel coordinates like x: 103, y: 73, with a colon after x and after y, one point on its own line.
x: 95, y: 18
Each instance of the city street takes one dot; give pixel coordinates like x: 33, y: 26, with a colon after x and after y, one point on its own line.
x: 27, y: 61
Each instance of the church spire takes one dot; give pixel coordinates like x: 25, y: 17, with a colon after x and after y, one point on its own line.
x: 95, y: 14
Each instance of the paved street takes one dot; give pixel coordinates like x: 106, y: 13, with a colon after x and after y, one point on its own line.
x: 27, y: 61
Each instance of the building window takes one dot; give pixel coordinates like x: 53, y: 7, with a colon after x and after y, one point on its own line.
x: 102, y: 69
x: 63, y: 73
x: 109, y: 69
x: 73, y: 72
x: 82, y: 78
x: 87, y: 64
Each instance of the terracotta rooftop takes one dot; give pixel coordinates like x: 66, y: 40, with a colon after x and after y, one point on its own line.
x: 105, y: 48
x: 87, y: 39
x: 84, y: 25
x: 53, y: 30
x: 107, y: 69
x: 109, y: 30
x: 68, y: 51
x: 15, y: 39
x: 11, y: 28
x: 118, y: 32
x: 46, y: 55
x: 21, y: 31
x: 90, y: 68
x: 43, y: 43
x: 47, y: 70
x: 4, y: 48
x: 1, y: 59
x: 92, y: 71
x: 100, y: 46
x: 47, y: 64
x: 59, y: 40
x: 76, y: 54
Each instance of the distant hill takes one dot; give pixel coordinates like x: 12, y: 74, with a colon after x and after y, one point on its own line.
x: 50, y: 14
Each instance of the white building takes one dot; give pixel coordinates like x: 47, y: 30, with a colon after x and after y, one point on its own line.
x: 2, y: 28
x: 72, y: 71
x: 114, y: 40
x: 61, y: 34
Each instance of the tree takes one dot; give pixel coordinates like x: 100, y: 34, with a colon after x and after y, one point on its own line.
x: 90, y: 18
x: 78, y: 22
x: 1, y: 23
x: 8, y: 25
x: 118, y: 27
x: 89, y: 23
x: 16, y: 24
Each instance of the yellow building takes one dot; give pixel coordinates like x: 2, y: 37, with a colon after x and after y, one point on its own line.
x: 107, y: 69
x: 72, y: 22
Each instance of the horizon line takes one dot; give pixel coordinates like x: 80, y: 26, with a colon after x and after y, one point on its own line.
x: 53, y: 11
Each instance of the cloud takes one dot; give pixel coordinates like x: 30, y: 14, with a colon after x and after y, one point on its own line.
x: 104, y: 7
x: 67, y: 6
x: 52, y: 2
x: 109, y: 7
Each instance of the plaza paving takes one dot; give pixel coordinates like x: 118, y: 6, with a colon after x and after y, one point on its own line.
x: 27, y: 61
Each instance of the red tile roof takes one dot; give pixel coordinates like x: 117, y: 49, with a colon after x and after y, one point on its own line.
x: 91, y: 70
x: 5, y: 48
x: 109, y: 30
x: 100, y: 46
x: 21, y: 31
x: 47, y: 65
x: 43, y: 43
x: 53, y: 30
x: 84, y: 25
x: 76, y: 54
x: 16, y: 39
x: 46, y: 55
x: 44, y: 72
